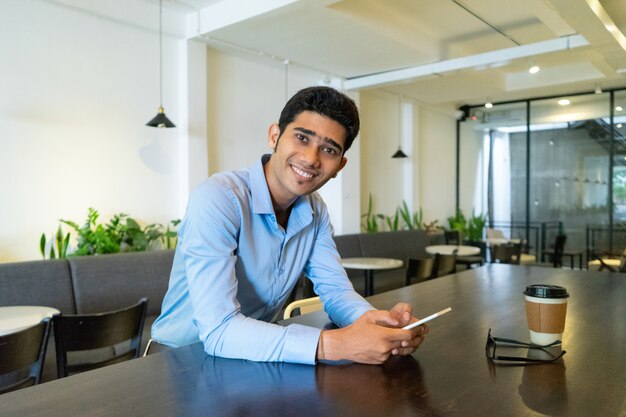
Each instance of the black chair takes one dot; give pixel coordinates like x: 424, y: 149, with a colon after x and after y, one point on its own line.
x: 97, y: 340
x: 453, y: 237
x: 557, y: 253
x: 22, y: 354
x: 605, y: 266
x: 419, y: 269
x: 445, y: 264
x: 505, y: 253
x: 471, y: 260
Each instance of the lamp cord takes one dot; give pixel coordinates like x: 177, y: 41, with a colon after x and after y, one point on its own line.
x: 161, y: 53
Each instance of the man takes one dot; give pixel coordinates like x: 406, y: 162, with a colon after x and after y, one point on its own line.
x: 248, y: 235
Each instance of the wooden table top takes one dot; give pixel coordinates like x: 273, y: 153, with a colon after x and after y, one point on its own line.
x: 448, y: 376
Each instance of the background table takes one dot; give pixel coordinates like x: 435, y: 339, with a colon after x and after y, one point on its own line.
x: 462, y: 250
x: 369, y: 265
x: 448, y: 376
x: 14, y: 318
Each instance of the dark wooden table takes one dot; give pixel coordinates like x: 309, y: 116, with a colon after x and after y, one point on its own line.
x: 448, y: 376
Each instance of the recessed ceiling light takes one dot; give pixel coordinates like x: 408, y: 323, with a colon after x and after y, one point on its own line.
x: 534, y: 69
x: 563, y: 102
x: 619, y: 125
x: 618, y: 108
x: 488, y: 104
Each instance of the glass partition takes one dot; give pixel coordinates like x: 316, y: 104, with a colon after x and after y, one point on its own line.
x: 493, y: 166
x: 570, y: 151
x: 544, y: 166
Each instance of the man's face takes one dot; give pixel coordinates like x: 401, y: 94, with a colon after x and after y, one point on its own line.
x: 308, y: 154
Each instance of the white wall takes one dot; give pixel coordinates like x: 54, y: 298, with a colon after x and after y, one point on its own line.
x: 244, y: 98
x: 437, y: 163
x: 427, y: 178
x: 75, y: 94
x: 77, y: 89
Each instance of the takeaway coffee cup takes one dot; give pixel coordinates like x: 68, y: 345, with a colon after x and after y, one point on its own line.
x: 546, y: 307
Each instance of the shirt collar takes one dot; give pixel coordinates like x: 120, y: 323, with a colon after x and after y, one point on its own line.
x: 261, y: 200
x: 302, y: 212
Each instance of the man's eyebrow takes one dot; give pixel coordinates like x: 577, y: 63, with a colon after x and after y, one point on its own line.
x: 313, y: 133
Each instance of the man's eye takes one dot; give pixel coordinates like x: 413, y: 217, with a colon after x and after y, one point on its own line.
x: 301, y: 138
x: 330, y: 151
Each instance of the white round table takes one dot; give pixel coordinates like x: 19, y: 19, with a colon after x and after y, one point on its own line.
x: 14, y: 318
x: 461, y: 250
x: 369, y: 265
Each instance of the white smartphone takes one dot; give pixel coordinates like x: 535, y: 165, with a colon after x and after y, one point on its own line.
x: 429, y: 318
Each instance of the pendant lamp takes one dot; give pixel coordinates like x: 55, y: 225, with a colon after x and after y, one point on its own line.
x: 160, y: 120
x: 399, y: 153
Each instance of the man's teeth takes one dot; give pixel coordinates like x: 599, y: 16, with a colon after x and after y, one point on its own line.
x: 302, y: 173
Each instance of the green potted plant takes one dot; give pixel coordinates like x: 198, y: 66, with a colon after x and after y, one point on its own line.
x: 370, y: 222
x: 121, y: 234
x: 475, y: 227
x: 458, y: 222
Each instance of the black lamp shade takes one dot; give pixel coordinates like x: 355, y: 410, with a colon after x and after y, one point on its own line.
x: 399, y: 154
x: 160, y: 120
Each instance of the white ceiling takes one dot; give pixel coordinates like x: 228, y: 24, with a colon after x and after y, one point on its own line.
x: 357, y: 38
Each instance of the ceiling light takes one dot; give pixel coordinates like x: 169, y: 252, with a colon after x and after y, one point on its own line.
x: 563, y: 102
x: 160, y: 120
x: 533, y: 68
x: 598, y: 89
x: 399, y: 153
x: 619, y: 125
x: 618, y: 108
x: 488, y: 105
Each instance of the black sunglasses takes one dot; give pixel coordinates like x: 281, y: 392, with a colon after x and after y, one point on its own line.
x: 492, y: 344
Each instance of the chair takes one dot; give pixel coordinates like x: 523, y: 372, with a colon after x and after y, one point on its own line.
x: 420, y: 269
x: 609, y: 264
x: 505, y: 253
x: 97, y: 340
x: 520, y: 256
x: 494, y: 234
x: 556, y: 253
x: 470, y: 260
x: 306, y: 305
x: 445, y: 264
x: 22, y: 354
x: 453, y: 237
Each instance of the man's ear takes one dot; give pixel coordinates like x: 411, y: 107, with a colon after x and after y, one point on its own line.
x: 342, y: 164
x: 273, y: 134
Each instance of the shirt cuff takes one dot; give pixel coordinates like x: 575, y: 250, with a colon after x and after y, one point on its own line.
x: 301, y: 344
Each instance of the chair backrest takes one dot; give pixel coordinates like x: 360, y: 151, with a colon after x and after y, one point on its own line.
x: 445, y: 264
x: 518, y: 249
x: 305, y: 305
x: 419, y: 269
x: 93, y: 332
x: 495, y: 233
x: 22, y: 355
x: 453, y: 237
x: 504, y: 253
x: 559, y: 247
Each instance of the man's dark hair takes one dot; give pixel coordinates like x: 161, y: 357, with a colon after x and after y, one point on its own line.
x: 325, y: 101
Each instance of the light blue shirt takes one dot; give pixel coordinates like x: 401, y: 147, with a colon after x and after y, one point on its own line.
x: 235, y: 266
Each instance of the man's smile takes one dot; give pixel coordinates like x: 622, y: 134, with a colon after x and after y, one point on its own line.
x: 300, y: 172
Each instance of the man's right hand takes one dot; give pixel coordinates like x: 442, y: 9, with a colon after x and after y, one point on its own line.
x: 370, y: 339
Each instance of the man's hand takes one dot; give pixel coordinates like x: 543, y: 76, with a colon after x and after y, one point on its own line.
x: 403, y: 312
x: 372, y: 338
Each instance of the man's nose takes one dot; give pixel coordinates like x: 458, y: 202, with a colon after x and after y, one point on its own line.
x: 310, y: 155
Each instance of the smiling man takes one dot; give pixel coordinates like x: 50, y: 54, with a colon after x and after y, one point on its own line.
x: 247, y: 237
